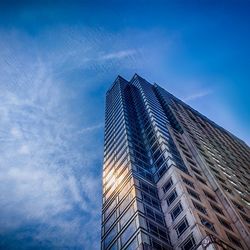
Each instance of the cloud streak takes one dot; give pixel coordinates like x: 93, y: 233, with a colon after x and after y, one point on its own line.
x: 118, y: 55
x: 92, y: 128
x: 197, y: 95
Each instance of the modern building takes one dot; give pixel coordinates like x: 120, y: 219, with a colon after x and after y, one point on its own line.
x: 172, y: 178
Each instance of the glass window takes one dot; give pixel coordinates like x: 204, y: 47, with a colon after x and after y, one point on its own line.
x: 189, y: 243
x: 133, y: 245
x: 207, y: 224
x: 110, y: 221
x: 247, y: 219
x: 181, y: 227
x: 154, y: 215
x: 245, y: 201
x: 162, y: 170
x: 144, y: 173
x: 168, y: 185
x: 224, y: 223
x: 110, y: 208
x: 210, y: 196
x: 199, y: 207
x: 124, y: 190
x: 201, y: 179
x: 157, y: 154
x: 234, y: 240
x: 227, y: 189
x: 110, y: 236
x: 128, y: 233
x: 158, y: 245
x: 128, y: 214
x: 125, y: 202
x: 190, y: 161
x: 157, y: 231
x: 176, y: 211
x: 150, y: 200
x: 170, y: 199
x: 194, y: 194
x: 216, y: 208
x: 196, y: 170
x: 148, y: 189
x: 220, y: 179
x: 188, y: 182
x: 238, y: 206
x: 216, y: 171
x: 160, y: 161
x: 114, y: 246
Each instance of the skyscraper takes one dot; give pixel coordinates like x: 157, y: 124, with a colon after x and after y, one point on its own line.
x: 172, y: 178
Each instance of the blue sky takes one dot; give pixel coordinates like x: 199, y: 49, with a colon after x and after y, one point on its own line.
x: 56, y: 62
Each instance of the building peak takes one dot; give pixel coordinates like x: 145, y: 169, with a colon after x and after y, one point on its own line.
x: 119, y: 77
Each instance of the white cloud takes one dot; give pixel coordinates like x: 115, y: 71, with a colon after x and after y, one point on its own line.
x: 24, y: 149
x: 15, y: 132
x: 92, y: 128
x: 197, y: 95
x: 118, y: 55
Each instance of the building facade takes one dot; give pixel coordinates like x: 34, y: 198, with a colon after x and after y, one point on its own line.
x: 172, y: 178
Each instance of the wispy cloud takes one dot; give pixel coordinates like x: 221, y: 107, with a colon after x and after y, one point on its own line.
x: 90, y: 50
x: 92, y: 128
x: 118, y: 54
x: 49, y: 191
x: 197, y: 95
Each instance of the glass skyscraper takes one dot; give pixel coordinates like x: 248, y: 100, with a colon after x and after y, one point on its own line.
x: 172, y: 178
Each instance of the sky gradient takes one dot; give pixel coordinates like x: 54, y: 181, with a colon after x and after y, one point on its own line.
x: 56, y: 62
